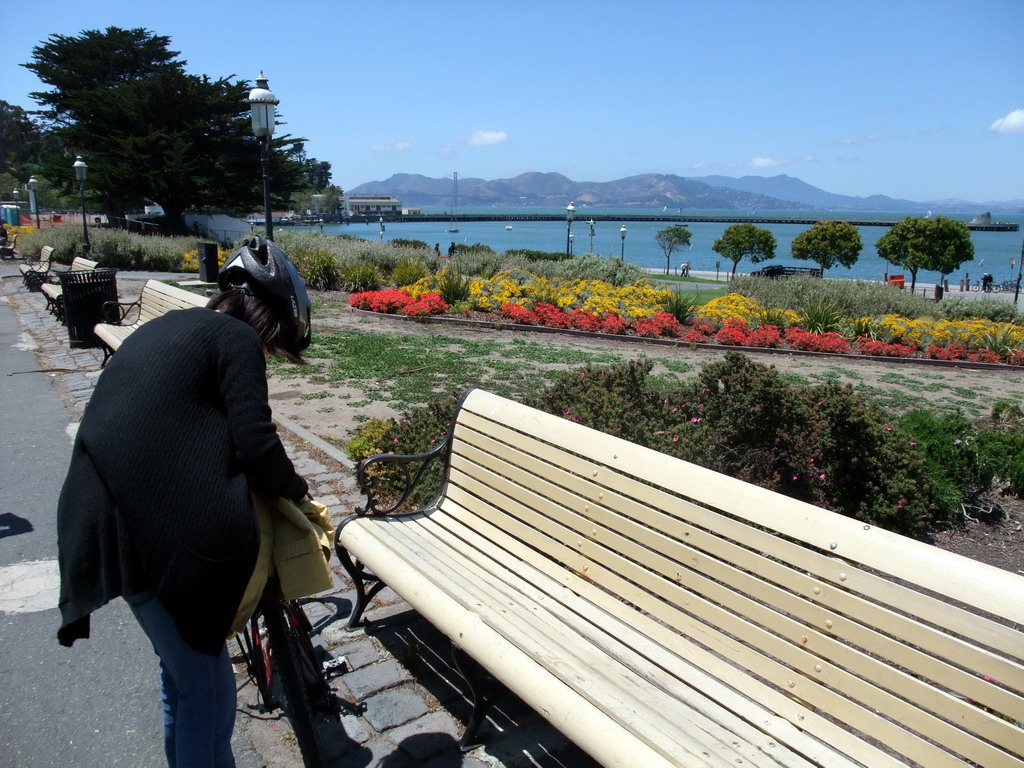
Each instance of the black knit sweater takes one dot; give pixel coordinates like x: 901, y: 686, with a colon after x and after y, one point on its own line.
x: 157, y: 493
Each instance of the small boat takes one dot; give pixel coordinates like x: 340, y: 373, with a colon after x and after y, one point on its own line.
x: 508, y: 227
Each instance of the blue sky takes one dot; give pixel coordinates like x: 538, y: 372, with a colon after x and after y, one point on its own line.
x: 915, y: 99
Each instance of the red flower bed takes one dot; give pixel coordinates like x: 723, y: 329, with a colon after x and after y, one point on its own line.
x: 870, y: 346
x: 426, y: 305
x: 584, y: 321
x: 551, y: 316
x: 518, y: 314
x: 658, y: 325
x: 798, y: 338
x: 765, y: 336
x: 387, y: 301
x: 733, y: 333
x: 955, y: 351
x: 611, y: 323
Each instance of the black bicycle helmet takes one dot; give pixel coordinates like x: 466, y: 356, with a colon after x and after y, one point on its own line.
x: 261, y: 269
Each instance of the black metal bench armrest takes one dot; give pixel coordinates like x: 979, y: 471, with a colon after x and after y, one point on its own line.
x: 413, y: 466
x: 114, y: 312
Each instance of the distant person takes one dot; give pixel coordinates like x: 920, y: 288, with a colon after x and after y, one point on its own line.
x: 437, y: 248
x: 986, y: 283
x: 686, y: 269
x: 451, y: 250
x: 3, y: 233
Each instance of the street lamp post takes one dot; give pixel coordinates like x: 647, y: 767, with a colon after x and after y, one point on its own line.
x: 622, y: 236
x: 261, y: 107
x: 572, y: 239
x: 570, y: 211
x: 381, y: 228
x: 591, y: 223
x: 32, y: 185
x: 81, y: 169
x: 1020, y: 265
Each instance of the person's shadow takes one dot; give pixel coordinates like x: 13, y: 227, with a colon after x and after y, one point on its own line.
x: 12, y: 525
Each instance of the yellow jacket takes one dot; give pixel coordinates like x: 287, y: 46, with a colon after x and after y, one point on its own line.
x: 295, y: 546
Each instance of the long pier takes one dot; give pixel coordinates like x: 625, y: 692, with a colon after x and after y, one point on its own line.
x: 659, y: 218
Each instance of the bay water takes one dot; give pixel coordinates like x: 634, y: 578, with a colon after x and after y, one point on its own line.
x: 998, y: 253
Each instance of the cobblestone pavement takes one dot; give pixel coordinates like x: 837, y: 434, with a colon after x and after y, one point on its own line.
x: 403, y: 701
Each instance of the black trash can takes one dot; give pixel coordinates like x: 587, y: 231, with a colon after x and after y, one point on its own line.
x: 208, y: 267
x: 84, y: 292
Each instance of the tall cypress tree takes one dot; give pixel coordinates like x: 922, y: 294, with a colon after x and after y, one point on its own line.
x: 151, y: 132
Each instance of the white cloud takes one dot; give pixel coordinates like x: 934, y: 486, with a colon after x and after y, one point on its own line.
x: 770, y: 162
x: 393, y: 148
x: 1012, y: 123
x: 486, y: 138
x: 766, y: 162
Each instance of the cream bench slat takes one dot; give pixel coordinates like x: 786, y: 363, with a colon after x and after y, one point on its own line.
x: 33, y: 273
x: 156, y: 299
x: 8, y: 247
x: 53, y: 291
x: 692, y: 618
x: 676, y: 732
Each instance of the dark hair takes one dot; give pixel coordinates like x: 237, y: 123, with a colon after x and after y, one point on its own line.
x: 275, y: 328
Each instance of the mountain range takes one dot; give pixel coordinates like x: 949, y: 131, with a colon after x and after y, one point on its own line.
x: 654, y: 190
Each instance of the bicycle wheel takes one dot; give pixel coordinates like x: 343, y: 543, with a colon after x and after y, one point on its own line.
x: 294, y: 661
x: 255, y: 649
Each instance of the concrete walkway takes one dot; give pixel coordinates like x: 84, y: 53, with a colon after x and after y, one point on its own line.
x: 404, y: 702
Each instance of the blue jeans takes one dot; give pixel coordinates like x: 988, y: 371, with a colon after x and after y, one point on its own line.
x: 198, y: 692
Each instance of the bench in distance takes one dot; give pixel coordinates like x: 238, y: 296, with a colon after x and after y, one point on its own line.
x: 155, y: 299
x: 53, y: 291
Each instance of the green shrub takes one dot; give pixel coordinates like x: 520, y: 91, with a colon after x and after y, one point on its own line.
x: 401, y: 242
x: 950, y: 444
x: 532, y: 256
x: 853, y: 298
x: 368, y: 439
x: 682, y: 306
x: 964, y: 308
x: 822, y: 316
x: 453, y: 287
x: 589, y: 267
x: 115, y: 248
x: 409, y: 271
x: 319, y: 269
x: 362, y: 277
x: 419, y: 431
x: 822, y: 444
x: 618, y: 400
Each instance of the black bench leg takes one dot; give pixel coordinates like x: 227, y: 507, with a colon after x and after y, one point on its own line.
x: 360, y: 578
x: 483, y: 689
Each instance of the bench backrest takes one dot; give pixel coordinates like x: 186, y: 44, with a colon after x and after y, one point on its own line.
x: 159, y: 298
x: 885, y: 648
x: 79, y: 264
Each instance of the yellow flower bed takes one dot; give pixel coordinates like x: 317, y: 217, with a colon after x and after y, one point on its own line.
x: 641, y: 299
x: 926, y: 332
x: 190, y: 259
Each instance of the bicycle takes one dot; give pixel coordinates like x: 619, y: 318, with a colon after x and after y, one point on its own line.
x: 282, y: 663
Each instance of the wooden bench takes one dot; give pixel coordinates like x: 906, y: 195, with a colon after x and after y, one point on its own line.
x: 33, y: 273
x: 52, y: 289
x: 8, y: 247
x: 661, y: 614
x: 124, y: 317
